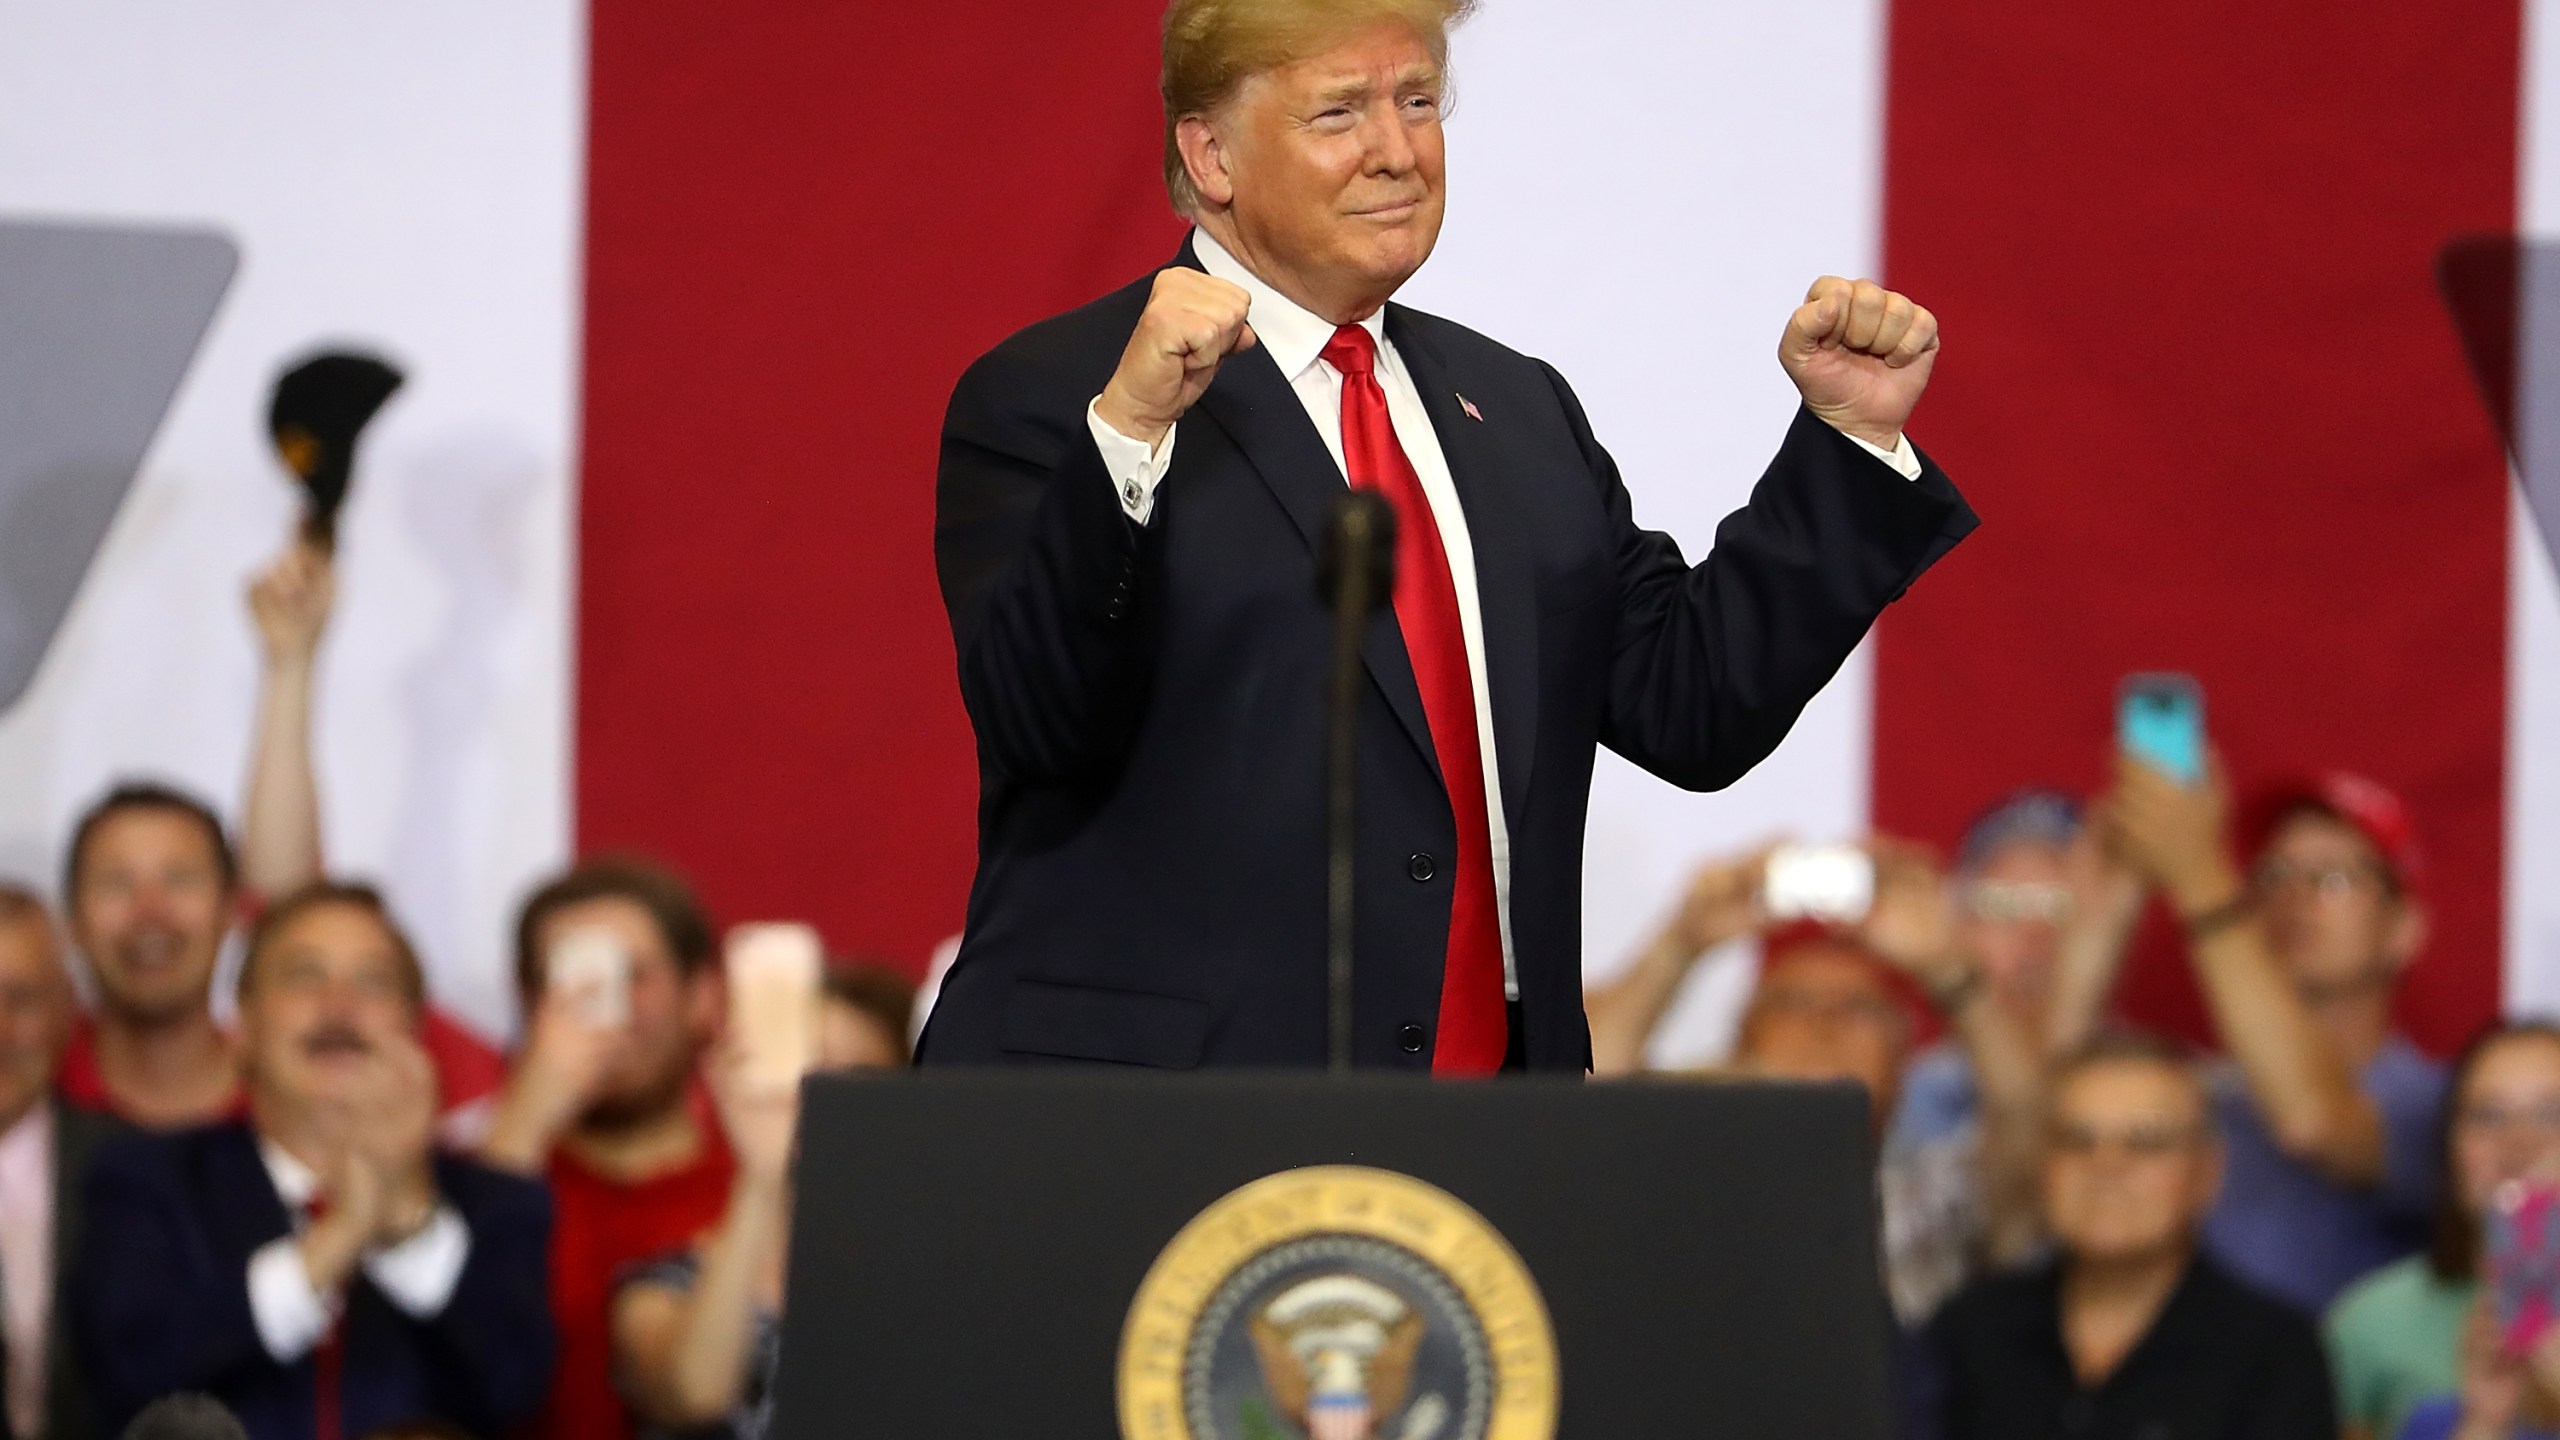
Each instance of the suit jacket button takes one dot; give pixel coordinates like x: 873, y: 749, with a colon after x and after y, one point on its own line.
x: 1419, y: 866
x: 1117, y: 609
x: 1409, y: 1039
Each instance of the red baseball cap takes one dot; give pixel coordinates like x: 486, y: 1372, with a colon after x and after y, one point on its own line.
x: 2371, y: 808
x: 1783, y: 944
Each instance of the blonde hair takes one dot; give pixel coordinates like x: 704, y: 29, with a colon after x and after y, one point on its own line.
x: 1211, y: 47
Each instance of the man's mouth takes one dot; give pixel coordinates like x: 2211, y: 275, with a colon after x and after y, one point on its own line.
x: 1392, y: 210
x: 151, y: 950
x: 335, y: 1043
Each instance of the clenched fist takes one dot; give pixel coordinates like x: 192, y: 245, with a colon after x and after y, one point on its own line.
x: 1860, y: 355
x: 1193, y: 322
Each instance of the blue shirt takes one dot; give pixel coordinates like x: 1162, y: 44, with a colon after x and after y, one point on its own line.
x: 1938, y: 1101
x: 2294, y: 1233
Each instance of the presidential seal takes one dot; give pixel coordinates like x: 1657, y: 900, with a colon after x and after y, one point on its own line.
x: 1338, y: 1303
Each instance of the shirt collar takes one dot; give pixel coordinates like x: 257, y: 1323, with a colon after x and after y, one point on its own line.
x: 26, y: 1145
x: 295, y: 1182
x: 34, y: 1128
x: 1293, y: 335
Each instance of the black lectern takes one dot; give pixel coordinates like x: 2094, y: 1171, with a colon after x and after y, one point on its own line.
x: 1068, y: 1256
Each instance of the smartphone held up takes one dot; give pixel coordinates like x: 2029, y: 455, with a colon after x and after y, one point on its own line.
x: 2160, y: 722
x: 591, y: 966
x: 1834, y: 884
x: 2520, y: 1260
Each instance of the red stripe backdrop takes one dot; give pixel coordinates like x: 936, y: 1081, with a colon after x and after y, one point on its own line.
x: 804, y: 219
x: 2213, y: 418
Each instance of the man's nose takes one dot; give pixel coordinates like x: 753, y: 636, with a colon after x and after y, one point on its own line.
x: 1390, y: 148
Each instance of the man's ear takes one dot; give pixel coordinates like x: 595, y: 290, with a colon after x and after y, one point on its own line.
x: 2209, y: 1176
x: 706, y: 1000
x: 2408, y: 934
x: 1204, y: 155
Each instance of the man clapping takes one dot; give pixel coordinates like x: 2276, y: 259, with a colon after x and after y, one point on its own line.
x: 317, y: 1266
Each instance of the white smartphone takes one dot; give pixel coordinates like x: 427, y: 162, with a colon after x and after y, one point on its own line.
x: 774, y: 975
x: 594, y: 964
x: 1832, y: 883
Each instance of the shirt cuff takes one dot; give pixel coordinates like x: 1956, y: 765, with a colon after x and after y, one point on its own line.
x: 291, y: 1316
x: 1904, y: 460
x: 420, y: 1273
x: 1133, y: 467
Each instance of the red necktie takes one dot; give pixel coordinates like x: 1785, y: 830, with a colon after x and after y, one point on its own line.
x: 328, y: 1358
x: 1473, y: 1028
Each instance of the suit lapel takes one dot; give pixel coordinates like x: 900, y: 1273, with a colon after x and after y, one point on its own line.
x: 245, y: 1209
x: 1506, y: 592
x: 1252, y: 402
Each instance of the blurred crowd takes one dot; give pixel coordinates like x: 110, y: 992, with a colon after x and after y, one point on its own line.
x: 340, y: 1214
x: 2087, y: 1230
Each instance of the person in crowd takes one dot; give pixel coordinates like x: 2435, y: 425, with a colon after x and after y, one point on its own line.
x: 2396, y: 1337
x: 318, y: 1266
x: 697, y: 1333
x: 866, y: 1016
x: 290, y: 604
x: 1846, y: 1004
x: 2131, y: 1329
x: 602, y: 1102
x: 2504, y: 1395
x: 153, y: 887
x: 2329, y: 1116
x: 45, y: 1148
x: 2046, y: 911
x: 150, y: 888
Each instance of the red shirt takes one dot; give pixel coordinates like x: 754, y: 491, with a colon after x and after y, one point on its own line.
x: 600, y: 1227
x: 468, y: 1069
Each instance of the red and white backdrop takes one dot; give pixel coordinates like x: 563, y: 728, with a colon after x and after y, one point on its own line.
x: 642, y: 559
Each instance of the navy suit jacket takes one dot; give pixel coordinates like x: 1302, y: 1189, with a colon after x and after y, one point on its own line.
x: 1149, y: 700
x: 162, y: 1297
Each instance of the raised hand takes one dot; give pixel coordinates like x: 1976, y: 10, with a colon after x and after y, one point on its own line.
x: 290, y: 601
x: 1912, y: 923
x: 759, y: 1119
x: 1860, y: 355
x: 352, y: 1199
x: 564, y: 1057
x: 1723, y: 903
x: 1192, y: 323
x: 395, y: 1105
x: 2176, y: 835
x: 2106, y: 890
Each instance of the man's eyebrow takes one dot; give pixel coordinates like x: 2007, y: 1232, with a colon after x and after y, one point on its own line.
x: 1360, y: 87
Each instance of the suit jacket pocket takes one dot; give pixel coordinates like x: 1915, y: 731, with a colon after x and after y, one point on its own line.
x: 1090, y: 1022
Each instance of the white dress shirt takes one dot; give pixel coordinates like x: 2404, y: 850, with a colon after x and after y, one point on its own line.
x: 27, y: 1201
x: 418, y: 1274
x: 1294, y: 337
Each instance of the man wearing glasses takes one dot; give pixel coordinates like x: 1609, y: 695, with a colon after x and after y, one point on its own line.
x: 2044, y: 912
x: 2329, y: 1114
x: 2130, y: 1329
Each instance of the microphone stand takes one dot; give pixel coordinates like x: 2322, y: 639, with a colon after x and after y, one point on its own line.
x: 1355, y: 573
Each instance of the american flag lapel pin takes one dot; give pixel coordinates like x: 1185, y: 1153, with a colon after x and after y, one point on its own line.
x: 1470, y: 407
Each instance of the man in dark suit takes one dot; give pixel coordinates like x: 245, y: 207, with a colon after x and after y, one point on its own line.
x: 1129, y: 499
x: 318, y: 1267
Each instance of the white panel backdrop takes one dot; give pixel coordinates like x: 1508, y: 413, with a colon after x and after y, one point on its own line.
x: 2533, y: 635
x: 1640, y: 190
x: 403, y: 175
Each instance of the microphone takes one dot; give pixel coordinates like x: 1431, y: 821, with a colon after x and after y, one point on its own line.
x: 1355, y: 574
